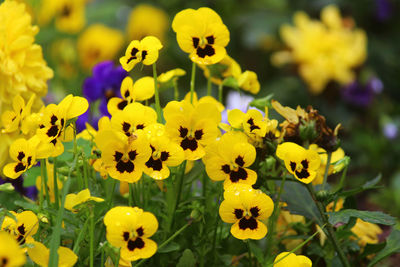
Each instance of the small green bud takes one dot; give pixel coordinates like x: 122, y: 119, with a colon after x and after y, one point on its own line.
x: 308, y: 131
x: 322, y: 195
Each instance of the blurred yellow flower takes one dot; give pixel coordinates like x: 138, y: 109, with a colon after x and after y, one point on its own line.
x: 139, y: 25
x: 39, y: 254
x: 248, y: 81
x: 22, y: 67
x: 93, y: 49
x: 72, y: 200
x: 367, y: 233
x: 290, y: 259
x: 10, y: 252
x: 69, y: 15
x: 227, y: 67
x: 324, y: 50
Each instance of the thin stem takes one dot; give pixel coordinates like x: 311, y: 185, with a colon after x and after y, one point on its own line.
x: 81, y: 234
x: 44, y: 181
x: 176, y: 90
x: 85, y: 175
x: 274, y: 218
x: 178, y: 194
x: 331, y: 233
x: 110, y: 197
x: 209, y: 85
x: 91, y: 237
x: 131, y: 199
x: 172, y: 237
x: 220, y: 90
x: 249, y: 251
x: 300, y: 245
x: 328, y: 163
x: 55, y: 180
x: 342, y: 179
x: 192, y: 81
x: 216, y: 222
x: 156, y: 94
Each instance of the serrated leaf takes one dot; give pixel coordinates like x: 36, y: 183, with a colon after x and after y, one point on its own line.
x: 392, y: 246
x: 299, y: 201
x: 187, y: 259
x: 368, y: 185
x: 343, y: 216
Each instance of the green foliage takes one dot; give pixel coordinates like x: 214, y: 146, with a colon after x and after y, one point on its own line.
x: 343, y: 216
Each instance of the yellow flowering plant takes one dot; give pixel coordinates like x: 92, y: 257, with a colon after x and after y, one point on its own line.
x: 187, y: 182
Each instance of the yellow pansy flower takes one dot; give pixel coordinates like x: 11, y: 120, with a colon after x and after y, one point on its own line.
x: 228, y: 160
x: 248, y: 81
x: 72, y: 200
x: 192, y: 127
x: 133, y: 118
x: 170, y: 75
x: 10, y: 252
x: 23, y: 228
x: 205, y: 99
x: 93, y: 49
x: 123, y: 157
x: 52, y: 128
x: 69, y: 14
x: 246, y: 207
x: 40, y: 255
x: 12, y: 120
x: 291, y: 260
x: 367, y: 233
x: 202, y: 34
x: 300, y: 162
x: 325, y: 50
x: 129, y: 228
x: 24, y: 154
x: 142, y: 89
x: 164, y: 154
x: 337, y: 155
x: 225, y: 68
x: 138, y: 25
x: 145, y: 51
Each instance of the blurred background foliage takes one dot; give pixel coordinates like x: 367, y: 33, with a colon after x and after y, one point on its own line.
x: 369, y: 133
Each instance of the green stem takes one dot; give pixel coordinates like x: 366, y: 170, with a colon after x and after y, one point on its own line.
x: 178, y: 195
x: 91, y: 236
x: 214, y: 241
x: 328, y: 163
x: 131, y: 199
x: 192, y: 81
x: 110, y: 197
x: 209, y: 85
x: 220, y: 90
x: 176, y: 90
x: 81, y: 234
x: 331, y: 233
x: 274, y: 218
x: 156, y: 94
x: 55, y: 180
x: 249, y: 250
x: 85, y: 175
x: 172, y: 237
x: 300, y: 245
x: 45, y: 183
x: 342, y: 179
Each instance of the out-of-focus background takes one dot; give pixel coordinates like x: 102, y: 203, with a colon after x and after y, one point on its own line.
x: 77, y: 34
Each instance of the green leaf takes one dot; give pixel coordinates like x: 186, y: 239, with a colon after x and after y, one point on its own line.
x: 230, y: 82
x: 261, y: 103
x: 7, y: 187
x: 31, y: 175
x: 299, y: 201
x: 257, y: 251
x: 343, y: 216
x: 368, y: 185
x: 172, y: 246
x: 187, y: 259
x: 392, y: 246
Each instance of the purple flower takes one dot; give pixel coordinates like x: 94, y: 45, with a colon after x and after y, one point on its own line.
x: 384, y: 9
x: 236, y: 100
x: 362, y: 95
x: 30, y: 191
x: 390, y: 130
x: 104, y: 84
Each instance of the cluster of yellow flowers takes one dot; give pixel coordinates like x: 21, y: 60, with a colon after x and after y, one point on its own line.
x: 135, y: 141
x: 326, y: 50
